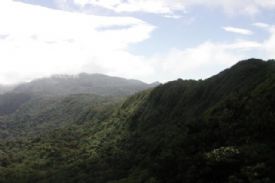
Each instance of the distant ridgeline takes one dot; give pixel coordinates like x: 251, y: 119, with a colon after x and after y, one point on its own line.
x: 63, y: 85
x: 221, y: 129
x: 98, y: 84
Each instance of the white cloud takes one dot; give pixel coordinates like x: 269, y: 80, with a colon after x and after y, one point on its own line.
x: 232, y: 7
x: 269, y: 44
x: 37, y: 41
x: 244, y: 45
x: 235, y: 7
x: 238, y: 30
x: 261, y: 25
x: 201, y: 61
x: 209, y: 58
x: 154, y: 6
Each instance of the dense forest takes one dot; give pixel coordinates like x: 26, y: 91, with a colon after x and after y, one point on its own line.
x: 221, y: 129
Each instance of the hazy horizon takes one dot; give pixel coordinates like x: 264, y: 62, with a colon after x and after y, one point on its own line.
x: 150, y: 41
x: 60, y: 75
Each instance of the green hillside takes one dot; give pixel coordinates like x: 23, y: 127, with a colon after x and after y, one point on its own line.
x: 221, y: 129
x: 40, y: 115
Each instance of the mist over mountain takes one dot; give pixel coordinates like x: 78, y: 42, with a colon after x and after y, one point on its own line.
x: 5, y: 88
x: 216, y: 130
x: 83, y: 83
x: 63, y: 85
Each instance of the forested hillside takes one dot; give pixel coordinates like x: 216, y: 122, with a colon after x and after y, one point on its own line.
x: 221, y: 129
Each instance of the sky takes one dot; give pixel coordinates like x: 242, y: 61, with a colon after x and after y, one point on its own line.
x: 149, y: 40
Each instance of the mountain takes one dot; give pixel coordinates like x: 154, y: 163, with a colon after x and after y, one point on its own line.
x: 40, y: 115
x: 221, y: 129
x: 12, y: 98
x: 83, y: 83
x: 10, y: 102
x: 5, y: 88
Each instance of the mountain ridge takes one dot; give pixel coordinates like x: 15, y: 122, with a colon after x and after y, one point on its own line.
x: 216, y: 130
x: 99, y: 84
x: 64, y: 85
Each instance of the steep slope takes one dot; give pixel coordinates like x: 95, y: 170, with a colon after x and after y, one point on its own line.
x: 40, y: 115
x: 217, y: 130
x: 98, y: 84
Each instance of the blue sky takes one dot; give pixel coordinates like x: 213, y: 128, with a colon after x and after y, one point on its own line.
x: 156, y: 40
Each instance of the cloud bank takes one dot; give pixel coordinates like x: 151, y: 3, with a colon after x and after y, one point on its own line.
x: 238, y: 30
x: 38, y: 42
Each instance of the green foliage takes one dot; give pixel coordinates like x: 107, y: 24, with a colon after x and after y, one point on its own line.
x: 10, y: 102
x: 223, y: 154
x: 217, y: 130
